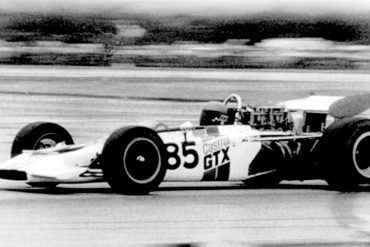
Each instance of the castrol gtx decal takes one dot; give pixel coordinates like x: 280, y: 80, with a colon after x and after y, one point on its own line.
x: 216, y: 159
x: 200, y: 154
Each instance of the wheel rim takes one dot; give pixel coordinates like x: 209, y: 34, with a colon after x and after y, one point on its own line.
x: 47, y: 141
x: 142, y: 160
x: 361, y: 154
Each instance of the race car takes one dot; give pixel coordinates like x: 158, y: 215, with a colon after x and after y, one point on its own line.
x: 318, y: 137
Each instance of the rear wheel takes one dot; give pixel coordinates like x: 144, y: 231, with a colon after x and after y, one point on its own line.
x: 133, y: 160
x: 345, y: 153
x: 39, y: 135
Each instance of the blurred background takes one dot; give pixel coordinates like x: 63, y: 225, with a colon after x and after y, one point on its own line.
x: 199, y: 34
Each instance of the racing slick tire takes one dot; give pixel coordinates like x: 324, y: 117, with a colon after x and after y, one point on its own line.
x: 345, y: 154
x: 39, y: 135
x: 133, y: 160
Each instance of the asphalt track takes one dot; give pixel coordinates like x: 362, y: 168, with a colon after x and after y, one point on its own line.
x: 92, y: 102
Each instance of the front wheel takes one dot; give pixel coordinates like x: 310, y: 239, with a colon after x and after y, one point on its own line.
x: 133, y: 160
x: 39, y: 135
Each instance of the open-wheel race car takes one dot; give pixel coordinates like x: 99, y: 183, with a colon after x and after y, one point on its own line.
x: 318, y: 137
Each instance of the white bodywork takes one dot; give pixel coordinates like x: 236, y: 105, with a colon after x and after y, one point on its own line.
x: 312, y: 103
x: 60, y: 164
x: 73, y: 163
x: 196, y: 153
x: 216, y: 146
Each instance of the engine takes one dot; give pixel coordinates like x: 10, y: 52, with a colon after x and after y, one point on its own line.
x: 268, y: 118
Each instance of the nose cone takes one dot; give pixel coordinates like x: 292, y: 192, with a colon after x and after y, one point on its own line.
x: 350, y: 106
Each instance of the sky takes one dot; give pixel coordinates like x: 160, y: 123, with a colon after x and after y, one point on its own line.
x: 196, y: 7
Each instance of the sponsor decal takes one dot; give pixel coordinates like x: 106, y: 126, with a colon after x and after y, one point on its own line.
x: 216, y: 144
x: 216, y: 159
x: 186, y: 150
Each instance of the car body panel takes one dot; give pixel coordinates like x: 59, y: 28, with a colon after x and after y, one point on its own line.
x: 221, y: 153
x: 192, y: 153
x: 62, y: 164
x: 214, y: 153
x: 312, y: 103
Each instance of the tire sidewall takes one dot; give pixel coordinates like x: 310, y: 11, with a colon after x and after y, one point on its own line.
x: 337, y: 148
x: 127, y: 167
x: 116, y: 171
x: 361, y: 131
x: 28, y: 137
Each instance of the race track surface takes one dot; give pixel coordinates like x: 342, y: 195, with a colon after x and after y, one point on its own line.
x: 92, y: 102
